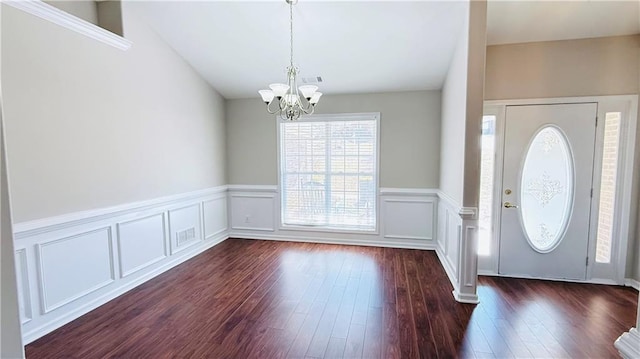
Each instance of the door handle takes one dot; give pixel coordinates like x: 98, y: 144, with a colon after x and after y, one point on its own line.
x: 509, y: 205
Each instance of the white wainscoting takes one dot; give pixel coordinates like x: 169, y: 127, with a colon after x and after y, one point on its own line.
x: 251, y: 211
x: 71, y: 264
x: 407, y: 218
x: 449, y: 231
x: 457, y: 247
x: 22, y: 277
x: 72, y: 267
x: 141, y: 243
x: 185, y: 219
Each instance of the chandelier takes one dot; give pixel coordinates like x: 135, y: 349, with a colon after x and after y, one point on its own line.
x: 288, y: 104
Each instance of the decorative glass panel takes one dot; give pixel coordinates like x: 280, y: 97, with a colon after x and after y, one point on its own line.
x: 487, y: 159
x: 608, y: 178
x: 546, y: 189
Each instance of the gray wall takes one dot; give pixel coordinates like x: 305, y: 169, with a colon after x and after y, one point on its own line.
x: 588, y: 67
x: 89, y: 126
x: 409, y: 137
x: 454, y: 100
x: 85, y: 9
x: 10, y: 328
x: 636, y: 269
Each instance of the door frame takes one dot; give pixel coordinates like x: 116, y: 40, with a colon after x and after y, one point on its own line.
x: 624, y: 221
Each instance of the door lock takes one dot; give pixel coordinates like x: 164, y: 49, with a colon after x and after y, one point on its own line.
x: 509, y: 205
x: 507, y: 191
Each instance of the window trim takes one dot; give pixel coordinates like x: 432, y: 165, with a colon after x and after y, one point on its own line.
x: 359, y: 116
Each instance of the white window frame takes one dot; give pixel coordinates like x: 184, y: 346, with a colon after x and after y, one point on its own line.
x: 364, y: 116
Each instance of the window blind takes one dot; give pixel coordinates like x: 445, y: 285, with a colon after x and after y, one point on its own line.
x: 328, y: 171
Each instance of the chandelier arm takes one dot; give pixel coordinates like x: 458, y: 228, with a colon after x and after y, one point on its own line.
x: 269, y: 110
x: 311, y: 110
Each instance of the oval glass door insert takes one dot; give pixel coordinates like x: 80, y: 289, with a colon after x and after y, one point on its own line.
x: 546, y: 189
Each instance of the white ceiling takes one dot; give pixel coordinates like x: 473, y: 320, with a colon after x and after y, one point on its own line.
x: 240, y: 47
x: 528, y: 21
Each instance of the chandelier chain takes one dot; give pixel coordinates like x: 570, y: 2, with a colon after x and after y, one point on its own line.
x: 291, y: 30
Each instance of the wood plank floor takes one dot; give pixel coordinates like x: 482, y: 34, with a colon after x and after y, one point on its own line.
x: 261, y: 299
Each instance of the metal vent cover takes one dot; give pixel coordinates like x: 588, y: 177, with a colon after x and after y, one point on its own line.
x: 312, y: 80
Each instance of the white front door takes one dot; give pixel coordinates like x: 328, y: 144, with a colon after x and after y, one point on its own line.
x: 546, y: 192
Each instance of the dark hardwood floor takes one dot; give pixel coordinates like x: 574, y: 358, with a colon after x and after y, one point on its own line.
x: 261, y: 299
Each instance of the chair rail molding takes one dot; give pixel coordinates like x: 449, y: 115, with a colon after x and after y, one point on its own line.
x: 31, y: 228
x: 54, y: 15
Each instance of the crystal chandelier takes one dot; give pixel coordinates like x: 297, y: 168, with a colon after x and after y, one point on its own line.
x: 288, y: 103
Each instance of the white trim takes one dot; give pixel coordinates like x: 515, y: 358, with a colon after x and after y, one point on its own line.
x: 558, y: 100
x: 38, y: 332
x: 49, y: 224
x: 252, y: 188
x: 400, y: 236
x: 630, y: 282
x: 215, y: 234
x: 324, y: 229
x: 490, y: 262
x: 24, y: 294
x: 342, y: 241
x: 468, y: 212
x: 449, y: 270
x: 449, y: 201
x: 249, y: 195
x: 434, y: 218
x: 466, y: 298
x: 446, y: 265
x: 56, y: 16
x: 46, y: 307
x: 624, y: 226
x: 388, y: 191
x: 355, y: 116
x: 628, y: 344
x: 261, y: 229
x: 142, y: 266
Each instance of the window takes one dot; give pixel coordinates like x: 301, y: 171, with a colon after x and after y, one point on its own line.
x: 608, y: 179
x: 328, y: 171
x: 486, y: 184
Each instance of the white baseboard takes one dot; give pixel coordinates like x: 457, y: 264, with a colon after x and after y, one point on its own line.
x: 630, y: 282
x: 38, y: 332
x: 466, y: 298
x: 334, y: 240
x: 447, y: 267
x: 488, y: 273
x: 628, y: 344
